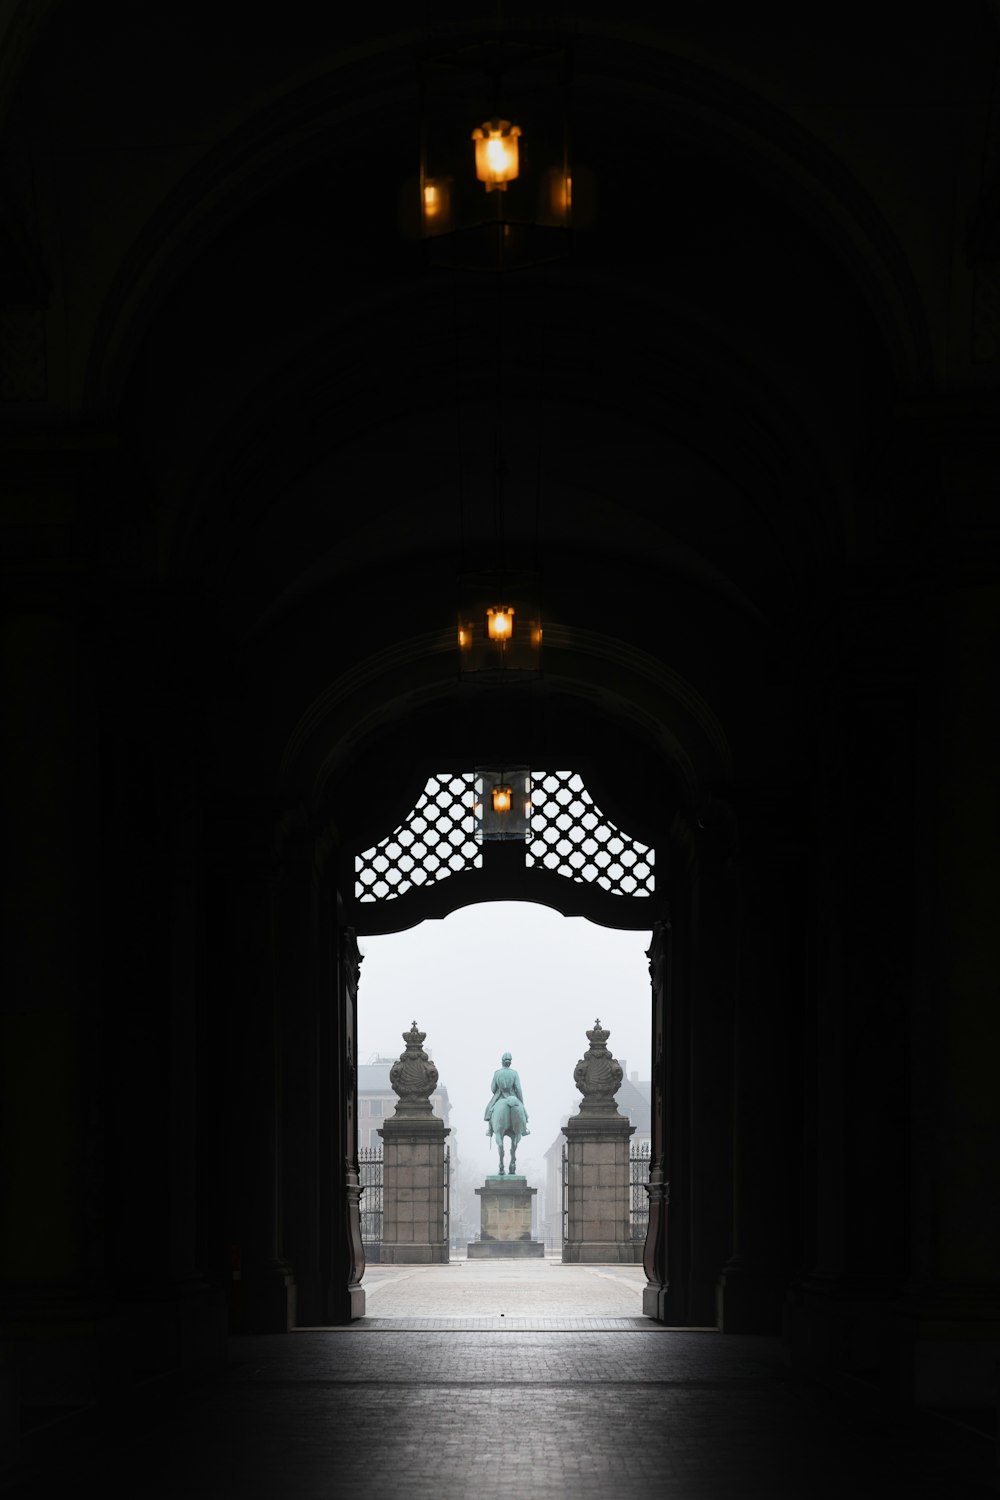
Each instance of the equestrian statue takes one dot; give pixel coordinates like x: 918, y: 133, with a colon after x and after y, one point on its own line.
x: 505, y: 1114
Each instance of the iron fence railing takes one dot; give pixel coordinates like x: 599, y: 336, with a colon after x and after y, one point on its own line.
x: 370, y: 1174
x: 447, y: 1195
x: 638, y: 1171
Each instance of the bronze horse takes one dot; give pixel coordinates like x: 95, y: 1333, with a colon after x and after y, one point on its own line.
x: 508, y: 1119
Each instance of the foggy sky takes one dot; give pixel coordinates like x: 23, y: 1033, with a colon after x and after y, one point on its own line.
x: 506, y: 976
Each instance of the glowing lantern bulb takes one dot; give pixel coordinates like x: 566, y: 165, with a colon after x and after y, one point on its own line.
x: 500, y: 623
x: 501, y: 799
x: 496, y: 153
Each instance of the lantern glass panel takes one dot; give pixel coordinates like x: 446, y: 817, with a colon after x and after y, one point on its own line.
x: 503, y: 803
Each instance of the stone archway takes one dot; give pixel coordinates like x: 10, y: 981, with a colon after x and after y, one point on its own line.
x: 571, y: 858
x: 448, y: 853
x: 647, y: 749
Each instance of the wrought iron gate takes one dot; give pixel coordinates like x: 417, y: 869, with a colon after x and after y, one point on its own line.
x: 370, y: 1174
x: 447, y: 1195
x: 638, y: 1200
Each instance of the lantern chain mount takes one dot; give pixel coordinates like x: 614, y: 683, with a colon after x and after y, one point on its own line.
x: 566, y: 835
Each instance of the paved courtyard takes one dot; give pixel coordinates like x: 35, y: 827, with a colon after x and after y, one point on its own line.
x: 531, y: 1294
x: 445, y: 1392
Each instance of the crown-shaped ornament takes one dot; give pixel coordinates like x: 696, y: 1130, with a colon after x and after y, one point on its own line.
x: 598, y: 1075
x: 598, y: 1037
x: 413, y: 1076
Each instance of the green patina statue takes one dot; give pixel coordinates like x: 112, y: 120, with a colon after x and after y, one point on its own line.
x: 505, y: 1114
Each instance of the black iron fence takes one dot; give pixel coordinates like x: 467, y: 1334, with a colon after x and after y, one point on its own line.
x: 370, y: 1174
x: 638, y: 1197
x: 447, y: 1195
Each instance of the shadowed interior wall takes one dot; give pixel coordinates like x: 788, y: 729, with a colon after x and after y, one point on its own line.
x: 743, y: 439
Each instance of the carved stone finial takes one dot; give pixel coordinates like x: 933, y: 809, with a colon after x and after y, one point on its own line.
x: 598, y: 1036
x: 413, y: 1076
x: 598, y: 1075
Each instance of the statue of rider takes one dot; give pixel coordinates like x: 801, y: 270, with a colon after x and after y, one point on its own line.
x: 506, y: 1085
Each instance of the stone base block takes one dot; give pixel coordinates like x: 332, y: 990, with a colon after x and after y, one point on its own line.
x: 505, y: 1209
x: 406, y: 1254
x: 505, y: 1249
x: 654, y: 1302
x: 598, y: 1252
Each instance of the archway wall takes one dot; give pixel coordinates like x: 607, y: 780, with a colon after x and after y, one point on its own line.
x: 656, y: 759
x: 700, y: 327
x: 764, y: 443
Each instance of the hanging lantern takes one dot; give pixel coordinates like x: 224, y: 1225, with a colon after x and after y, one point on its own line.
x: 498, y: 639
x: 533, y: 193
x: 503, y: 803
x: 497, y: 160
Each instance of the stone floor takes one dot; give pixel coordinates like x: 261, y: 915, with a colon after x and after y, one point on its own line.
x: 539, y: 1295
x: 444, y: 1391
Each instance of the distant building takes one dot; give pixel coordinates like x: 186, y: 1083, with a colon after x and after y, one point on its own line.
x: 633, y: 1099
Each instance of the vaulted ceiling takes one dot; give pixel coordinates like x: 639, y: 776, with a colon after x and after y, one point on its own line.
x: 290, y: 422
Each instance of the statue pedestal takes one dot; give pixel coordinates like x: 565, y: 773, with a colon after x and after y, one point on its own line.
x: 505, y: 1221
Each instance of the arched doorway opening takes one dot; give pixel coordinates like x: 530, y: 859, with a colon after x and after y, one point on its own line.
x: 699, y: 1052
x: 652, y: 759
x: 566, y: 853
x: 489, y: 977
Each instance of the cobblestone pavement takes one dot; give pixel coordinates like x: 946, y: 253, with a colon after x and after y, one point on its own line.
x: 380, y: 1410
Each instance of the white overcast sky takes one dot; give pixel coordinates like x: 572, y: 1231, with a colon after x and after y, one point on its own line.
x: 506, y: 976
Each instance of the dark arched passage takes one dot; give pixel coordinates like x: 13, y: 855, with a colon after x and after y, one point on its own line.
x: 748, y: 451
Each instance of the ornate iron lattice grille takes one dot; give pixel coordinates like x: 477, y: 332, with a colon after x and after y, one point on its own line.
x: 567, y: 834
x: 437, y: 839
x: 571, y: 836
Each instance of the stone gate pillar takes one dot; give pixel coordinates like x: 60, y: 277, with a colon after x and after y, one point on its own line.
x: 598, y: 1223
x: 413, y: 1228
